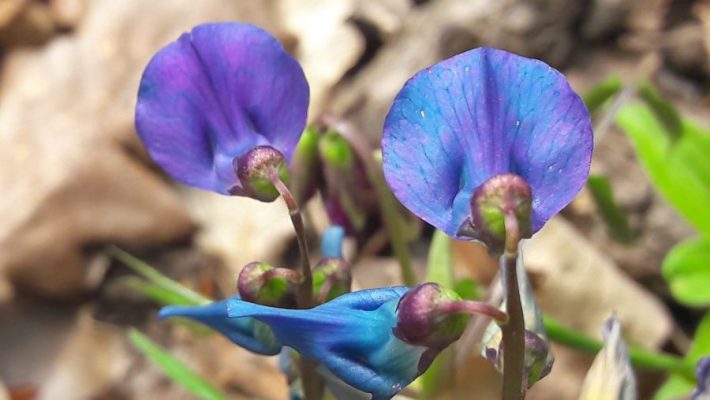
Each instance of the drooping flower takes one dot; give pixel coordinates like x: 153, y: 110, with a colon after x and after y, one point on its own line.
x: 208, y: 98
x: 351, y: 336
x: 481, y: 114
x: 377, y: 341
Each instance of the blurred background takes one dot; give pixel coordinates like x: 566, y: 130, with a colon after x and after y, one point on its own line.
x: 74, y: 178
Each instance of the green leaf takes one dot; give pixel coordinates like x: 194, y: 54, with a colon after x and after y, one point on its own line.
x: 154, y: 292
x: 677, y: 386
x: 439, y: 267
x: 603, y: 91
x: 662, y: 109
x: 678, y: 168
x: 174, y: 368
x: 178, y: 293
x: 686, y: 268
x: 613, y: 216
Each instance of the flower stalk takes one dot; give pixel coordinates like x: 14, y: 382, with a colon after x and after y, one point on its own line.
x: 313, y: 385
x: 514, y: 330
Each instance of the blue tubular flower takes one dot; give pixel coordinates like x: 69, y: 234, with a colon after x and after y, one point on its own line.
x: 214, y: 94
x: 351, y: 336
x: 477, y: 115
x: 245, y: 332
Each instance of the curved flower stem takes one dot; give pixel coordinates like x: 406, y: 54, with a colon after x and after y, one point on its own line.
x: 514, y: 330
x: 312, y: 383
x: 388, y: 206
x: 475, y: 307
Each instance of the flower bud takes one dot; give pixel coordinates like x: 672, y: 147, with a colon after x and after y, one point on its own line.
x: 611, y: 376
x: 331, y: 278
x: 255, y: 169
x: 306, y: 175
x: 538, y: 360
x: 500, y: 197
x: 348, y: 195
x: 420, y: 320
x: 263, y: 284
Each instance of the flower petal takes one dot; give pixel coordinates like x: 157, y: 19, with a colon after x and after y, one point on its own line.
x: 611, y: 376
x: 245, y: 332
x: 351, y: 336
x: 213, y: 94
x: 478, y: 114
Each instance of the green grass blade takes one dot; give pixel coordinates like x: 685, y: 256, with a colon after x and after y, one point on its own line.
x: 174, y: 368
x: 614, y: 218
x: 186, y: 296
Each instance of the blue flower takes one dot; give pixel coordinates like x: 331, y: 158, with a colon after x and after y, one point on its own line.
x: 351, y: 336
x: 480, y: 114
x: 214, y: 94
x: 245, y: 332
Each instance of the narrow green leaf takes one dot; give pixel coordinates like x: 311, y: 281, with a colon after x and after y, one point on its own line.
x: 662, y: 109
x: 686, y: 268
x: 603, y: 91
x: 187, y: 296
x: 155, y: 292
x: 439, y: 267
x: 174, y: 368
x: 679, y: 170
x: 613, y: 216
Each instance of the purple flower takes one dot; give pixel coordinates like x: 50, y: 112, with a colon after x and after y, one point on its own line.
x: 479, y: 114
x: 214, y: 94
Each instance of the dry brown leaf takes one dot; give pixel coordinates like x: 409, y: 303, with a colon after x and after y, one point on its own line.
x: 327, y: 45
x: 92, y: 360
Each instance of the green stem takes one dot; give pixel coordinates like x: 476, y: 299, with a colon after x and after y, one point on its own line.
x: 388, y: 207
x: 640, y: 357
x: 514, y: 330
x: 313, y: 386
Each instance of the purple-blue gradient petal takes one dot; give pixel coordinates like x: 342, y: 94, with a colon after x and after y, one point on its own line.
x: 213, y: 94
x: 479, y: 114
x: 350, y: 335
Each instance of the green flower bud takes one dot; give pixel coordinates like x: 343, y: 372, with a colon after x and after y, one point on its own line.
x: 263, y: 284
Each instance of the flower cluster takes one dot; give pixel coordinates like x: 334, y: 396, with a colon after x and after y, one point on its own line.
x: 469, y: 143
